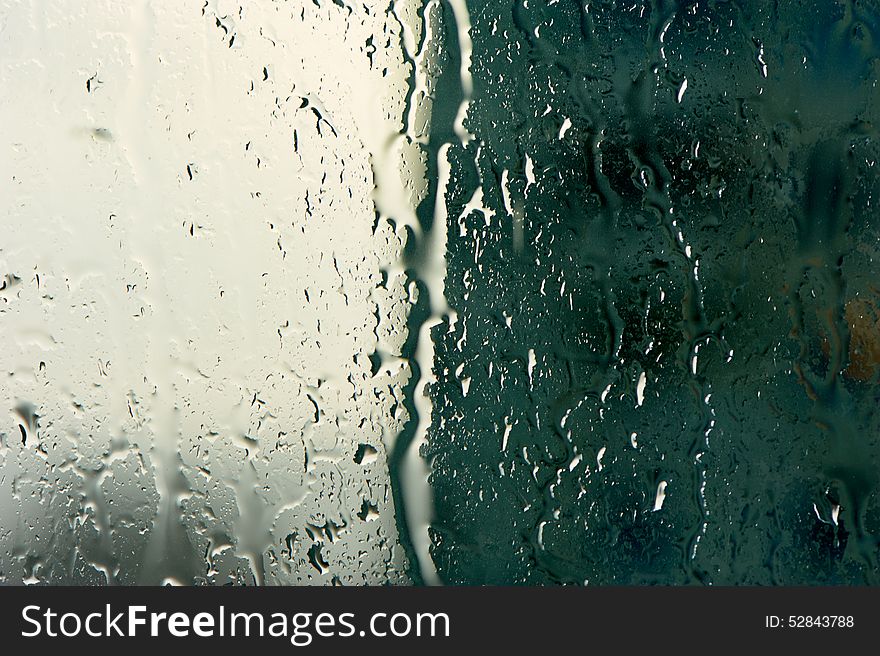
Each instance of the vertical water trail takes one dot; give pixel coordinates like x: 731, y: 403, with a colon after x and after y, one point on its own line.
x: 167, y: 543
x: 450, y: 95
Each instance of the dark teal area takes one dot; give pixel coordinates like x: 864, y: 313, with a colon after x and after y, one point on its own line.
x: 738, y: 227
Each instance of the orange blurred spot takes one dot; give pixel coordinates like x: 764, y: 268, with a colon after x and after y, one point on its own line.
x: 864, y: 342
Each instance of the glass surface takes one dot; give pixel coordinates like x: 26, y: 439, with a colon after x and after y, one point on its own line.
x: 439, y: 291
x: 662, y: 249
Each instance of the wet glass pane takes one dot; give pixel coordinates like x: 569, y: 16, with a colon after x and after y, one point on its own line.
x: 202, y: 320
x: 439, y: 291
x: 662, y: 252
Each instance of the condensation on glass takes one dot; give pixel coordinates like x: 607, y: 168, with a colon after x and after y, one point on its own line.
x: 202, y: 304
x: 662, y: 251
x: 515, y: 292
